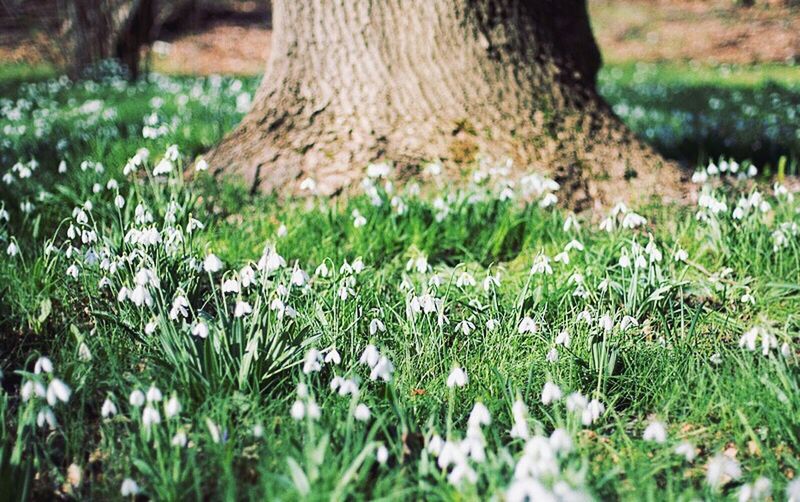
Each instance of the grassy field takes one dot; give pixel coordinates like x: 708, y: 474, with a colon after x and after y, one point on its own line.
x: 181, y: 339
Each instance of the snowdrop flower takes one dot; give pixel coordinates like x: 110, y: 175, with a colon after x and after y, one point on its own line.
x: 361, y: 412
x: 793, y: 491
x: 179, y: 439
x: 479, y: 415
x: 57, y: 390
x: 150, y: 417
x: 12, y: 249
x: 298, y: 410
x: 212, y: 264
x: 137, y: 398
x: 607, y: 323
x: 760, y: 489
x: 686, y: 450
x: 242, y: 309
x: 72, y: 271
x: 382, y: 454
x: 715, y: 358
x: 43, y: 364
x: 129, y: 488
x: 592, y: 412
x: 527, y: 325
x: 231, y: 286
x: 153, y: 394
x: 358, y: 219
x: 312, y: 362
x: 31, y: 388
x: 46, y: 416
x: 109, y: 409
x: 457, y: 378
x: 656, y: 432
x: 721, y: 469
x: 552, y: 355
x: 627, y: 322
x: 465, y: 327
x: 201, y: 165
x: 200, y: 330
x: 465, y: 279
x: 383, y: 369
x: 172, y: 407
x: 563, y: 339
x: 520, y: 414
x: 333, y: 357
x: 492, y: 324
x: 376, y: 325
x: 786, y: 350
x: 681, y: 255
x: 370, y: 356
x: 550, y: 393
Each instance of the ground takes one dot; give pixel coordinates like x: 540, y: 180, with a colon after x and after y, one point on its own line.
x: 171, y: 337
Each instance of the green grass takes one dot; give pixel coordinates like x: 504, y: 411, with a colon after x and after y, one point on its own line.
x: 680, y: 363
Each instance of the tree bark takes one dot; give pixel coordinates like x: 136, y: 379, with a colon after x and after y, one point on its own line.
x: 350, y: 82
x: 97, y: 30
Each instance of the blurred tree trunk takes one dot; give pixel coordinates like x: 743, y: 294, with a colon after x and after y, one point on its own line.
x: 102, y: 29
x: 356, y: 81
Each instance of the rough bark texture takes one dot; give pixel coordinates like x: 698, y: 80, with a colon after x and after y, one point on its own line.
x: 350, y: 82
x: 101, y: 29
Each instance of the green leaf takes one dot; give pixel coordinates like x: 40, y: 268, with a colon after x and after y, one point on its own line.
x: 298, y: 477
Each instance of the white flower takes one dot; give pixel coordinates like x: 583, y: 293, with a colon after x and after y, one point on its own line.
x: 312, y: 361
x: 201, y: 165
x: 681, y: 255
x: 242, y: 309
x: 656, y: 432
x: 172, y: 407
x: 592, y: 412
x: 12, y: 249
x: 564, y: 339
x: 376, y: 325
x: 129, y: 488
x: 153, y: 394
x: 57, y: 390
x: 43, y: 364
x: 457, y: 378
x: 362, y: 412
x: 370, y: 356
x: 550, y: 393
x: 333, y: 357
x: 179, y: 439
x: 46, y: 416
x: 687, y: 450
x: 382, y: 454
x: 527, y: 325
x: 212, y: 264
x: 231, y: 286
x: 721, y: 469
x: 793, y: 491
x: 136, y: 398
x: 479, y: 415
x: 383, y: 369
x: 760, y: 489
x: 150, y: 417
x: 108, y: 409
x: 552, y: 355
x: 200, y: 330
x: 298, y: 410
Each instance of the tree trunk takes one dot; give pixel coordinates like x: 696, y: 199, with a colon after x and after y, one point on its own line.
x: 102, y: 29
x: 350, y: 82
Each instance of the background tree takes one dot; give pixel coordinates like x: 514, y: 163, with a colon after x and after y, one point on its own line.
x: 356, y: 81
